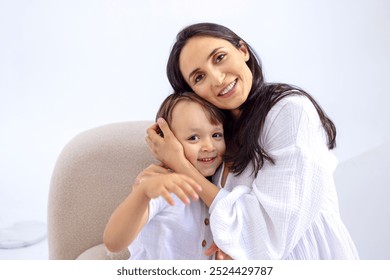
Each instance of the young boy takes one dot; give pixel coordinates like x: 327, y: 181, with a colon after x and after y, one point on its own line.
x: 155, y: 224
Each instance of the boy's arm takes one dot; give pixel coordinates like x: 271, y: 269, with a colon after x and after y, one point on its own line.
x: 132, y: 214
x: 126, y: 221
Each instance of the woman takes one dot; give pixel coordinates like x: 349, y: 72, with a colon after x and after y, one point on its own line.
x: 275, y: 198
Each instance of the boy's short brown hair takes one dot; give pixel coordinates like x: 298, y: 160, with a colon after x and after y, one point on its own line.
x: 215, y: 115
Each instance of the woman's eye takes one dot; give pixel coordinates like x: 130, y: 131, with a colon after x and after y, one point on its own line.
x: 198, y: 78
x: 220, y: 57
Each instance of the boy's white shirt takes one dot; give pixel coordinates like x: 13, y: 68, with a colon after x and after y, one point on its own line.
x: 176, y: 232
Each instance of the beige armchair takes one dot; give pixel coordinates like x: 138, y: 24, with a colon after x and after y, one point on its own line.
x: 92, y: 175
x: 95, y: 172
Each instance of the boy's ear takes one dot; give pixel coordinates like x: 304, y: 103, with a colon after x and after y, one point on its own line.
x: 244, y: 50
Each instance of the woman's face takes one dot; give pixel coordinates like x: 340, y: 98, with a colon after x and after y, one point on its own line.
x: 217, y: 71
x: 203, y: 142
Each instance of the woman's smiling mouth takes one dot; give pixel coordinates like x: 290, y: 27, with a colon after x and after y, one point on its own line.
x: 228, y: 88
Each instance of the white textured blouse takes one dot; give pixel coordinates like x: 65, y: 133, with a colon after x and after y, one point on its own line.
x: 290, y: 210
x: 179, y: 232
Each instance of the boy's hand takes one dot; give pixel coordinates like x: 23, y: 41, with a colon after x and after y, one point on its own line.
x: 157, y: 181
x: 150, y: 171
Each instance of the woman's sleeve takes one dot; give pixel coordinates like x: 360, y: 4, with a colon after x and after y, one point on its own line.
x: 265, y: 220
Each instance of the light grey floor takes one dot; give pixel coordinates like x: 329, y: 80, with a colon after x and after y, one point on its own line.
x: 24, y: 240
x: 38, y: 251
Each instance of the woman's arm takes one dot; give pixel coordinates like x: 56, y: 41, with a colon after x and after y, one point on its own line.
x: 170, y: 152
x: 266, y: 216
x: 131, y: 215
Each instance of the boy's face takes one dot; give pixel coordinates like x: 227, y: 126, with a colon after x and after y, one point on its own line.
x: 203, y: 142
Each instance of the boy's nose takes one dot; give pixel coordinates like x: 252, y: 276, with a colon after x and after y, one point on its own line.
x: 208, y: 145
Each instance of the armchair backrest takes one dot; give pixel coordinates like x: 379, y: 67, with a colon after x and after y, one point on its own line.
x: 92, y: 175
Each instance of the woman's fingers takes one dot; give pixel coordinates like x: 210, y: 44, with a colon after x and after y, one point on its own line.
x: 152, y: 132
x: 166, y: 149
x: 158, y: 131
x: 211, y: 250
x: 164, y: 128
x: 219, y: 255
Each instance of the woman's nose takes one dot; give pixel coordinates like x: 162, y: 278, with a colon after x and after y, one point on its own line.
x: 218, y: 77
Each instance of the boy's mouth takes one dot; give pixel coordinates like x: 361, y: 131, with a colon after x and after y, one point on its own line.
x: 207, y: 159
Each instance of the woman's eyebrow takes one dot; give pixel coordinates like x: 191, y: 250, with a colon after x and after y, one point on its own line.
x: 209, y: 56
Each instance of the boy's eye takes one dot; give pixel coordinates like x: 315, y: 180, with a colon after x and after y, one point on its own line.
x: 218, y: 135
x: 193, y: 138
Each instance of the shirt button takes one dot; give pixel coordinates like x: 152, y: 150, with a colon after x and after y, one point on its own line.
x: 206, y: 222
x: 204, y: 243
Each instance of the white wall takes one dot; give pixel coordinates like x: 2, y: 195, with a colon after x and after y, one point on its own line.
x: 67, y: 66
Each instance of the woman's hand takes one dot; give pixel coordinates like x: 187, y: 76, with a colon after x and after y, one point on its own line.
x: 157, y: 181
x: 219, y: 255
x: 164, y: 145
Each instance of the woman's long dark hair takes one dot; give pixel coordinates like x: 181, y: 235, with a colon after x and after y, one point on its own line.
x: 241, y: 136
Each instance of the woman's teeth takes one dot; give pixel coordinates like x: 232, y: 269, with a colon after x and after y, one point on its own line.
x: 228, y: 88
